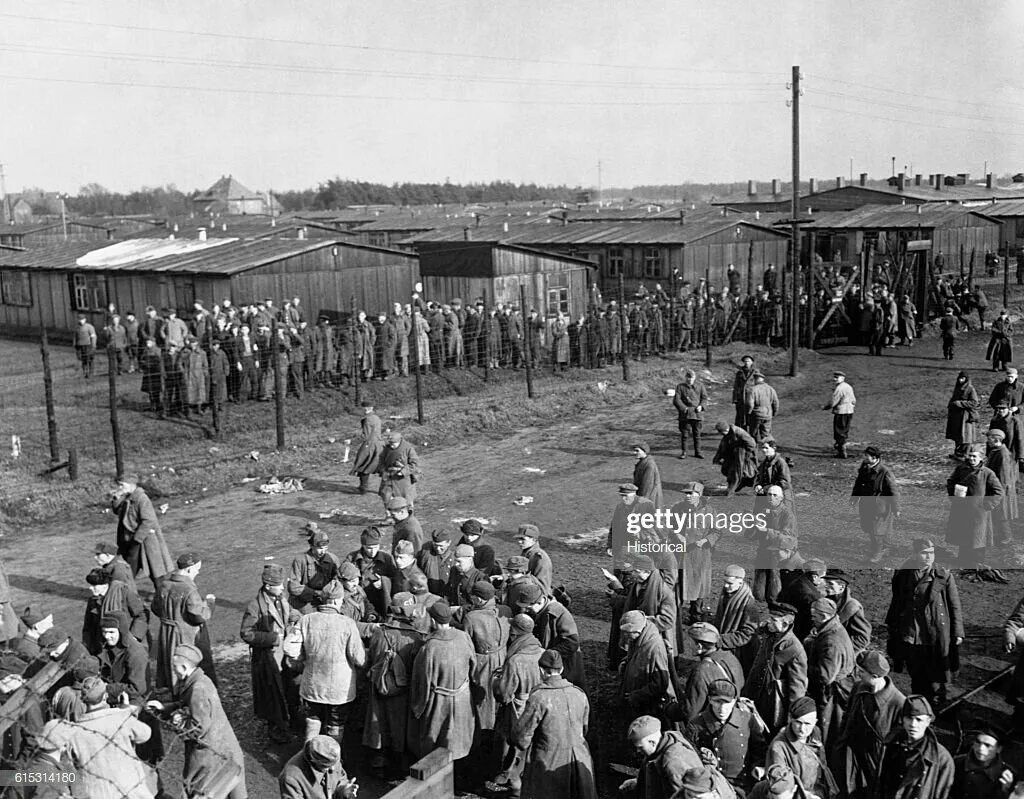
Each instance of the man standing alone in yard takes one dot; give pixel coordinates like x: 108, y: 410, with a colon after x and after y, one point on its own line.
x: 842, y: 405
x: 690, y: 399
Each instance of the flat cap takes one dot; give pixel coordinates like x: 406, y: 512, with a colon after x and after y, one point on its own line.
x: 471, y: 527
x: 482, y: 589
x: 804, y: 706
x: 824, y: 605
x: 628, y: 488
x: 780, y: 609
x: 318, y: 538
x: 815, y: 566
x: 643, y: 562
x: 633, y: 621
x: 641, y: 445
x: 838, y: 374
x: 642, y: 727
x: 93, y: 690
x: 528, y: 531
x: 995, y: 433
x: 781, y: 780
x: 550, y: 660
x: 517, y: 564
x: 837, y: 574
x: 440, y: 612
x: 440, y: 535
x: 693, y: 487
x: 403, y: 547
x: 923, y: 545
x: 397, y: 503
x: 322, y: 752
x: 349, y: 571
x: 703, y: 631
x: 530, y: 595
x: 370, y: 535
x: 724, y: 689
x: 732, y: 570
x: 188, y: 559
x: 104, y: 548
x: 873, y: 662
x: 32, y: 615
x: 722, y: 427
x: 190, y: 654
x: 464, y: 551
x: 917, y: 705
x: 402, y: 603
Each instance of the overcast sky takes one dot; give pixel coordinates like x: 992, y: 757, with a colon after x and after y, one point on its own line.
x: 283, y: 95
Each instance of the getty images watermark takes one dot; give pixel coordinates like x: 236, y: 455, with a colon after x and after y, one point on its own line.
x: 667, y: 531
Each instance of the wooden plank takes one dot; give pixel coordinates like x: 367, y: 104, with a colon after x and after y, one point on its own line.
x: 38, y: 685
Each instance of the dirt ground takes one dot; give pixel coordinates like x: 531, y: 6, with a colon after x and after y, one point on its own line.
x: 583, y: 455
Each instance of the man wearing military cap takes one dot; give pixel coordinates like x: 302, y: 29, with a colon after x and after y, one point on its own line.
x: 376, y: 566
x: 407, y: 527
x: 439, y: 697
x: 265, y: 626
x: 311, y: 571
x: 483, y: 554
x: 646, y: 475
x: 649, y: 595
x: 515, y: 580
x: 925, y: 622
x: 914, y: 763
x: 729, y: 734
x: 831, y: 661
x: 798, y: 747
x: 618, y: 535
x: 778, y: 676
x: 849, y: 610
x: 1010, y: 390
x: 693, y: 578
x: 399, y: 469
x: 435, y: 560
x: 405, y: 566
x: 714, y: 664
x: 872, y: 716
x: 183, y: 615
x: 355, y: 603
x: 213, y: 748
x: 779, y: 782
x: 316, y: 769
x: 463, y: 576
x: 975, y: 493
x: 877, y: 497
x: 330, y: 649
x: 647, y: 676
x: 1004, y: 466
x: 555, y: 628
x: 667, y: 757
x: 552, y: 731
x: 538, y: 562
x: 689, y: 399
x: 390, y: 657
x: 801, y: 593
x: 1012, y: 424
x: 842, y: 404
x: 981, y: 771
x: 517, y: 678
x: 108, y: 559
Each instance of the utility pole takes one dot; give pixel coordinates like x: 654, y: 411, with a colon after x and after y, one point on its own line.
x: 64, y: 215
x: 794, y: 255
x: 5, y: 203
x: 599, y: 182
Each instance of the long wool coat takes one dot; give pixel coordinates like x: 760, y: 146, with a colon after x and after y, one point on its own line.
x: 970, y: 517
x: 737, y: 618
x: 695, y: 573
x: 139, y: 539
x: 183, y: 614
x: 387, y: 717
x: 394, y: 485
x: 1004, y: 466
x: 778, y: 676
x: 264, y: 627
x: 489, y: 633
x: 925, y: 611
x: 552, y: 731
x: 560, y: 341
x: 647, y: 478
x: 440, y: 696
x: 737, y: 454
x: 195, y: 377
x: 367, y: 458
x: 556, y: 629
x: 870, y: 720
x: 646, y: 679
x: 514, y: 682
x: 962, y: 413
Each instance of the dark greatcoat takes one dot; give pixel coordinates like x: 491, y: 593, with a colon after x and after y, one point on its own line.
x: 552, y: 731
x: 264, y: 627
x: 387, y: 341
x: 801, y: 592
x: 857, y: 751
x: 661, y: 773
x: 125, y: 667
x: 139, y: 539
x: 655, y: 600
x: 195, y: 377
x: 119, y: 601
x: 972, y: 780
x: 1004, y: 467
x: 962, y: 413
x: 440, y: 695
x: 716, y: 665
x: 831, y: 661
x: 784, y: 750
x: 556, y: 629
x: 488, y: 630
x: 737, y: 454
x: 515, y: 680
x: 737, y: 618
x: 647, y: 478
x: 387, y: 716
x: 436, y: 567
x: 646, y: 679
x: 925, y: 611
x: 367, y: 459
x: 215, y: 748
x: 394, y: 483
x: 853, y: 618
x: 695, y: 570
x: 219, y: 371
x: 970, y: 517
x: 927, y: 775
x: 183, y: 614
x: 880, y: 499
x: 778, y: 676
x: 1013, y: 427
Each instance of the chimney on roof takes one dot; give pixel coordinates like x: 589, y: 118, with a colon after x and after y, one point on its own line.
x: 302, y: 233
x: 939, y: 180
x: 202, y: 234
x: 757, y: 214
x: 682, y: 216
x: 175, y: 227
x: 813, y: 186
x: 273, y: 221
x: 839, y: 183
x: 901, y: 181
x: 863, y: 178
x: 565, y: 220
x: 962, y: 178
x: 988, y: 181
x: 776, y: 186
x: 224, y: 227
x: 467, y: 234
x: 919, y: 208
x: 917, y: 180
x: 751, y: 188
x: 504, y: 227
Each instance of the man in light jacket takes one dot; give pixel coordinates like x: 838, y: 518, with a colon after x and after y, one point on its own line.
x: 842, y: 405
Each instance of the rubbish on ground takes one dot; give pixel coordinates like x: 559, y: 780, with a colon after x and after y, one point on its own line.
x: 171, y: 470
x: 802, y: 494
x: 588, y: 539
x: 481, y: 519
x: 255, y: 455
x: 164, y: 508
x: 15, y: 446
x: 670, y: 392
x: 249, y: 479
x: 523, y: 500
x: 332, y: 439
x: 276, y: 486
x: 886, y: 432
x: 602, y: 386
x: 534, y: 470
x: 268, y: 557
x: 347, y: 449
x: 214, y: 450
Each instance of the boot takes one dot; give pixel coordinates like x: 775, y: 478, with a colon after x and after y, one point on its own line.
x: 682, y: 448
x: 312, y: 728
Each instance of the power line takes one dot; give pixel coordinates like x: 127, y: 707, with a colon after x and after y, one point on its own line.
x: 369, y: 48
x: 906, y: 107
x: 203, y: 62
x: 916, y: 95
x: 916, y: 122
x: 349, y: 96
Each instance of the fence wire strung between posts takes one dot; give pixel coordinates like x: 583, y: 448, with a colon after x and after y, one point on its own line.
x: 118, y: 747
x: 210, y: 372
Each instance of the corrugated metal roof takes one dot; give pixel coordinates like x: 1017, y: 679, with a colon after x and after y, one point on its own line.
x: 892, y: 216
x: 231, y: 227
x: 638, y: 233
x: 40, y: 226
x: 1002, y: 208
x: 220, y: 257
x: 912, y: 193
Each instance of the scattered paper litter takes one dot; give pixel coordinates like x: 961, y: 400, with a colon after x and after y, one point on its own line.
x: 287, y: 486
x: 670, y: 392
x: 484, y: 521
x: 802, y: 494
x: 249, y: 479
x: 602, y: 386
x: 268, y: 557
x: 886, y: 432
x: 534, y: 470
x: 396, y: 417
x: 171, y: 470
x: 213, y: 450
x: 332, y: 439
x: 164, y: 508
x: 587, y: 539
x: 527, y: 450
x: 332, y: 513
x: 523, y: 500
x: 255, y: 455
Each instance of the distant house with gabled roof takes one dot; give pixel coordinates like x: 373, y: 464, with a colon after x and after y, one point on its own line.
x: 228, y: 196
